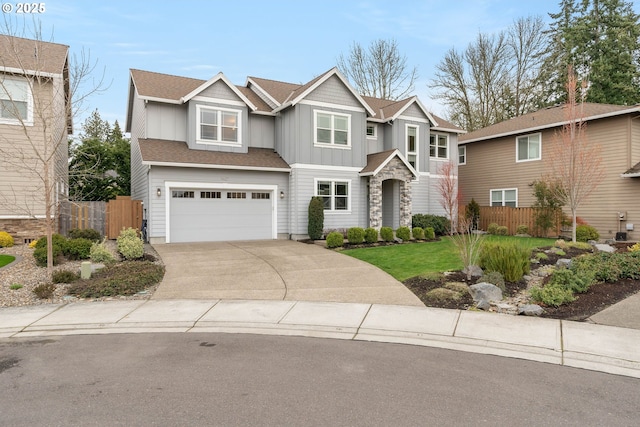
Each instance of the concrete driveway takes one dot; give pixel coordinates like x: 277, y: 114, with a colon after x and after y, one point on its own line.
x: 274, y: 270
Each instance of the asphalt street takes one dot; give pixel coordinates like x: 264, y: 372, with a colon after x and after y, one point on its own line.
x: 241, y: 379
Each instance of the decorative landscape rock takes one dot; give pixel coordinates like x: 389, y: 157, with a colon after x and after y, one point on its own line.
x: 563, y: 262
x: 485, y: 292
x: 604, y: 248
x: 473, y: 271
x: 530, y: 310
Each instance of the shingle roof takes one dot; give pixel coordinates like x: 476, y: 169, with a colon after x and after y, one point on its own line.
x: 634, y: 172
x: 32, y: 55
x: 280, y: 91
x: 163, y: 86
x: 375, y: 160
x: 157, y: 151
x: 541, y: 119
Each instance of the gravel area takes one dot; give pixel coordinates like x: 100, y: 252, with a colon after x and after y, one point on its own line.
x: 25, y: 272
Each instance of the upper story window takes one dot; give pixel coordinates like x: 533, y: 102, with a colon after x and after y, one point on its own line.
x: 462, y: 154
x: 412, y: 144
x: 332, y: 129
x: 372, y: 131
x: 439, y: 146
x: 528, y: 148
x: 218, y: 125
x: 16, y: 103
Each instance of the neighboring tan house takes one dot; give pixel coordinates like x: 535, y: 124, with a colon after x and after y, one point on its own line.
x: 34, y: 124
x: 214, y: 161
x: 500, y: 161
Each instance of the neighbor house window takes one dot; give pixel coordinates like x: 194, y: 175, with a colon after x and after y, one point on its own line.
x: 528, y: 148
x: 462, y: 154
x: 412, y: 145
x: 439, y: 146
x: 332, y: 129
x: 219, y: 126
x: 505, y: 197
x: 334, y: 194
x: 15, y: 100
x: 372, y: 131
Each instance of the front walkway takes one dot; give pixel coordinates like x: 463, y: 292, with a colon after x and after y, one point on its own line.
x: 274, y: 270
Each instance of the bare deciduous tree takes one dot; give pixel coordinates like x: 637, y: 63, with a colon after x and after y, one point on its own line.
x: 35, y: 151
x: 447, y: 186
x: 573, y: 161
x: 380, y: 71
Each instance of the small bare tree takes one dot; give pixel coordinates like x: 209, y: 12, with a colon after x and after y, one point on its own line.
x: 574, y: 162
x: 379, y: 71
x: 468, y: 242
x: 42, y: 116
x: 447, y: 187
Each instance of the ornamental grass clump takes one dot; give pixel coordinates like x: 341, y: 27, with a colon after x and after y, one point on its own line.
x: 129, y: 244
x: 509, y: 259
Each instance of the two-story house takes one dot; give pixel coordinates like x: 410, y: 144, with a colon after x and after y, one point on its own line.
x: 214, y: 161
x: 35, y: 119
x: 500, y: 161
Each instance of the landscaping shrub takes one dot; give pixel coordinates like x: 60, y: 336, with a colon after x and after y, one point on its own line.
x: 609, y: 267
x: 316, y: 218
x: 562, y: 244
x: 580, y: 245
x: 386, y: 233
x: 85, y: 233
x: 335, y: 239
x: 429, y: 233
x: 6, y: 241
x: 77, y: 249
x: 502, y: 230
x: 493, y: 277
x: 440, y: 224
x: 509, y: 259
x: 57, y: 239
x: 403, y: 233
x: 371, y: 235
x: 44, y: 290
x: 64, y: 276
x: 355, y: 235
x: 129, y: 244
x: 100, y: 253
x: 541, y: 256
x: 584, y: 233
x: 522, y: 229
x: 578, y: 282
x: 634, y: 248
x: 551, y: 295
x: 127, y: 278
x: 472, y: 213
x: 418, y: 233
x: 492, y: 228
x: 40, y: 255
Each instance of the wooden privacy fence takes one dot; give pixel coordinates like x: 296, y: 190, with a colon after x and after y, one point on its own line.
x: 514, y: 217
x: 109, y: 218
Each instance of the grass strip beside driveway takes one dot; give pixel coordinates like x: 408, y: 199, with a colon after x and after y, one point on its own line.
x: 416, y: 259
x: 6, y: 260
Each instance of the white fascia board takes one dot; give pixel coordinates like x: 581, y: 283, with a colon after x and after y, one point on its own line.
x: 441, y: 129
x: 211, y: 166
x: 23, y: 216
x: 630, y: 175
x: 163, y: 100
x: 213, y: 80
x: 13, y: 70
x: 326, y: 167
x: 264, y: 92
x: 416, y: 101
x: 395, y: 152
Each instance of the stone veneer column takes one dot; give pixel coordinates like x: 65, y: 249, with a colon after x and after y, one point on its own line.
x: 375, y: 202
x: 405, y: 203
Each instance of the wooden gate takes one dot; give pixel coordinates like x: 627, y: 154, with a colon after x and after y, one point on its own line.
x: 123, y: 213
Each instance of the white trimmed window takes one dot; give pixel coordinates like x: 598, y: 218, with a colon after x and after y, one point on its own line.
x: 16, y: 102
x: 334, y: 194
x: 412, y: 144
x: 218, y: 126
x: 332, y: 129
x: 528, y: 148
x: 439, y: 146
x: 372, y: 131
x: 462, y: 154
x: 505, y: 197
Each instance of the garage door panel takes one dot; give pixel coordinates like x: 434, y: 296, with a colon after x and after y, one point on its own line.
x: 214, y: 219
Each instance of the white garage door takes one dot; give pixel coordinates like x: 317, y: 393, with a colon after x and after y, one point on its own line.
x: 206, y: 215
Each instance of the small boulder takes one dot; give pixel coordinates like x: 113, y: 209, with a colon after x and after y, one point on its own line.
x: 604, y: 248
x: 472, y: 271
x: 530, y: 310
x: 485, y: 292
x: 483, y: 305
x: 563, y: 262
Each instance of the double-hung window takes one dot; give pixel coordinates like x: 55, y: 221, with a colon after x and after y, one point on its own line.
x: 462, y: 154
x: 334, y: 194
x: 218, y: 126
x: 528, y: 148
x: 372, y: 131
x: 332, y: 129
x: 505, y: 197
x: 15, y: 101
x: 412, y: 144
x: 439, y: 146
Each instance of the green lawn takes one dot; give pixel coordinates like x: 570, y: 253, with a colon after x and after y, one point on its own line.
x: 405, y: 261
x: 6, y: 259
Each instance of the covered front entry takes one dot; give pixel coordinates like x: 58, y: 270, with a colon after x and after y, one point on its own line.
x: 381, y: 169
x: 212, y: 214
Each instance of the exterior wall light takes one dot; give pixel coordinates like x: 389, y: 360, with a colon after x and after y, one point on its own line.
x: 159, y: 192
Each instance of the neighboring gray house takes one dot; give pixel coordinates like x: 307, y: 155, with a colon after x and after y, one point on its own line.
x: 214, y: 161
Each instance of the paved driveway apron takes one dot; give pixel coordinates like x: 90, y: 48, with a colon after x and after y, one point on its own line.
x: 274, y: 270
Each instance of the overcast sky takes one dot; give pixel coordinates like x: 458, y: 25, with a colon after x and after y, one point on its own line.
x: 291, y: 41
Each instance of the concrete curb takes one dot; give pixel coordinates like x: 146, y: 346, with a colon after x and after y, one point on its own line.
x: 582, y: 345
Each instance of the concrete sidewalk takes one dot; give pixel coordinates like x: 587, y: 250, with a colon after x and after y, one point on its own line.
x: 583, y: 345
